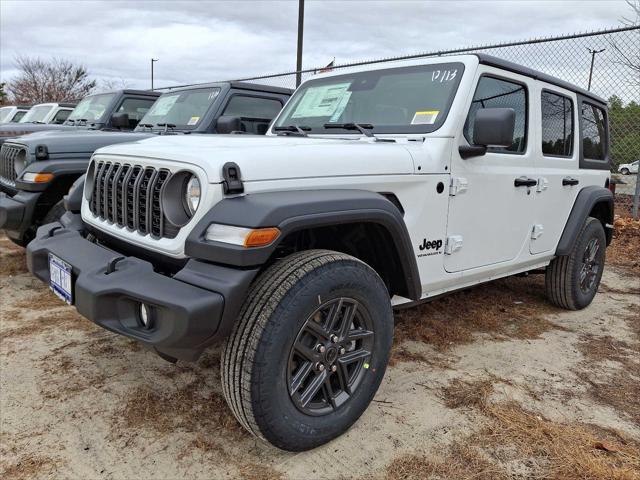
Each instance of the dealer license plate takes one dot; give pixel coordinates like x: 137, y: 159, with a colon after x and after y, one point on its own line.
x: 60, y: 279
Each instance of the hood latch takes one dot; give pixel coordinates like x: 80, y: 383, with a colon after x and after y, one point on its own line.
x: 232, y: 178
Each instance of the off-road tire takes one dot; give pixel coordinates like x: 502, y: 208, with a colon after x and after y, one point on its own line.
x: 625, y: 171
x: 562, y: 279
x: 256, y: 356
x: 55, y: 213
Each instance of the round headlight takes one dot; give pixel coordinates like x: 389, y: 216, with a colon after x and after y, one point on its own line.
x: 192, y: 194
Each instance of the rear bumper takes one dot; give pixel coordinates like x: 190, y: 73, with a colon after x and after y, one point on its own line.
x: 191, y: 310
x: 16, y: 212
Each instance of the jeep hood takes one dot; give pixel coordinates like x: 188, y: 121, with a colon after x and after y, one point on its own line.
x: 7, y: 129
x: 78, y: 141
x: 274, y: 157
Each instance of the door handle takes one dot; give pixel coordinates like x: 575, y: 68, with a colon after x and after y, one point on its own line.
x: 570, y: 181
x: 525, y: 182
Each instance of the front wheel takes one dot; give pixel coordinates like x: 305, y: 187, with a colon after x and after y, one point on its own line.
x: 55, y: 213
x: 572, y: 280
x: 309, y: 350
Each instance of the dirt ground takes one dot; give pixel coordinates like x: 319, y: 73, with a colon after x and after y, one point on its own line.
x: 488, y: 383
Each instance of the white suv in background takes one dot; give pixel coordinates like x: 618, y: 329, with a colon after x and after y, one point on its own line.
x: 628, y: 168
x: 54, y: 113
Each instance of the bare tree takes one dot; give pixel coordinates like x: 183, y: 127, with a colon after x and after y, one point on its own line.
x: 113, y: 84
x: 629, y: 57
x: 52, y: 80
x: 3, y: 94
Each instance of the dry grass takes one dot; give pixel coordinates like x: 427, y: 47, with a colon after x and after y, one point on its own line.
x: 507, y: 308
x: 190, y: 408
x: 66, y: 319
x: 461, y: 394
x: 618, y: 388
x: 28, y: 467
x: 515, y: 442
x: 256, y: 471
x: 624, y: 251
x: 12, y: 258
x: 462, y: 463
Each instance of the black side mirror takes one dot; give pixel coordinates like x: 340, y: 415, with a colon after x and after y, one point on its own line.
x: 494, y: 127
x: 120, y: 120
x: 228, y: 124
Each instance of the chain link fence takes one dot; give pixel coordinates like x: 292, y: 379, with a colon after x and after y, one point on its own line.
x: 606, y: 62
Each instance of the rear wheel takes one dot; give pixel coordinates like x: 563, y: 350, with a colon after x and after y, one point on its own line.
x: 572, y: 280
x: 309, y: 350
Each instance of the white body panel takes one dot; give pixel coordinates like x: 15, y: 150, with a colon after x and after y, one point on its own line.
x: 494, y: 220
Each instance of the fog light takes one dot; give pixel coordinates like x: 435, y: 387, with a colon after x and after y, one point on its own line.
x: 145, y: 315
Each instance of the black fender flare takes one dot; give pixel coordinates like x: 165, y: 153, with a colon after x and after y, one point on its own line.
x: 586, y: 201
x: 296, y: 210
x: 59, y: 168
x: 73, y: 199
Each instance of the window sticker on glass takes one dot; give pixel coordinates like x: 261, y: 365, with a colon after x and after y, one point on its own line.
x: 443, y: 75
x: 425, y: 118
x: 322, y: 101
x: 163, y: 105
x: 193, y: 120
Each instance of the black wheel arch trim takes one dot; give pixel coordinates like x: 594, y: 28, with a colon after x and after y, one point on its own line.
x: 588, y: 198
x: 297, y: 210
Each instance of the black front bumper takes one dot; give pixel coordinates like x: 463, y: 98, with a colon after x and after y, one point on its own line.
x: 190, y: 310
x: 16, y: 212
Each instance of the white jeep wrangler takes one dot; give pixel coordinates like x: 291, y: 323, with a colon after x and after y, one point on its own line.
x: 374, y: 187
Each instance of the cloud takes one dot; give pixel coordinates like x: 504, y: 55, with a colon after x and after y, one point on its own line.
x: 215, y: 40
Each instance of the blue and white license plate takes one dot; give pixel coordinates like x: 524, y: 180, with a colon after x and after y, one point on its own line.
x: 60, y: 280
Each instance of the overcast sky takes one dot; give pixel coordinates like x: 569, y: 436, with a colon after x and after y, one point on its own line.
x: 215, y: 40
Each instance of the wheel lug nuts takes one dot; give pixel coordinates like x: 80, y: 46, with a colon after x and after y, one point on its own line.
x: 334, y: 368
x: 334, y: 338
x: 342, y: 350
x: 320, y: 348
x: 320, y: 367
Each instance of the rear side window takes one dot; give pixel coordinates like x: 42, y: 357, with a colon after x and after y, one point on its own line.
x: 593, y: 132
x: 497, y: 93
x: 256, y: 113
x: 60, y: 117
x: 557, y: 125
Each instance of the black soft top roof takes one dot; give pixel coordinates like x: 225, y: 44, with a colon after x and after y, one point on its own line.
x: 258, y: 87
x: 529, y: 72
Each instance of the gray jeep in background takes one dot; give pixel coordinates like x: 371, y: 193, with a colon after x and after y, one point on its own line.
x: 36, y: 171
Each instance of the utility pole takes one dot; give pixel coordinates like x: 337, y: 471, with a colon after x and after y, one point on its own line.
x: 300, y: 32
x: 152, y: 61
x: 593, y: 58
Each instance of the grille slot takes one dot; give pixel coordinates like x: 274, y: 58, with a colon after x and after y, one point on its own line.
x: 8, y: 155
x: 129, y: 196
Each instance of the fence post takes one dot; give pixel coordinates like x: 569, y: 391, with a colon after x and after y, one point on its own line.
x: 636, y: 197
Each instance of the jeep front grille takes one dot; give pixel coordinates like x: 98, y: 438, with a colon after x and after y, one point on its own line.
x: 8, y: 156
x: 129, y: 196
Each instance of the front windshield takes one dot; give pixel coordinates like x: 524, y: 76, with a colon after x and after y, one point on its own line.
x: 5, y: 112
x: 394, y: 100
x: 36, y: 114
x: 183, y: 109
x: 92, y: 108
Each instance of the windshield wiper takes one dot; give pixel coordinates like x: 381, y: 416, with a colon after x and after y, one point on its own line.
x: 293, y: 129
x: 166, y: 126
x: 363, y: 128
x: 146, y: 125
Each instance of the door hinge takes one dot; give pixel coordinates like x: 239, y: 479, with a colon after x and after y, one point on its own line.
x: 453, y: 244
x: 232, y: 178
x: 543, y: 184
x: 537, y: 231
x: 457, y: 186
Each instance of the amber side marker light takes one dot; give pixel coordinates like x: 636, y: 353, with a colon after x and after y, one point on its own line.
x: 37, y: 177
x: 242, y: 236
